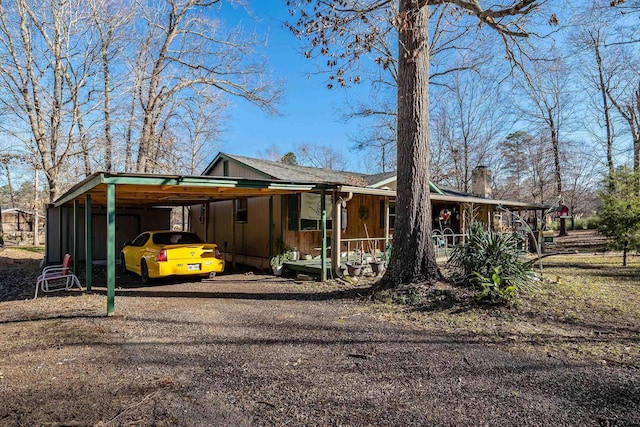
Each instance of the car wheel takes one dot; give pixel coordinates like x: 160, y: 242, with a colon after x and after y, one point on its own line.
x: 123, y: 265
x: 144, y: 272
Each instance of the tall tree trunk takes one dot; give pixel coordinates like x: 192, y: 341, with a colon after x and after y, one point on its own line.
x: 12, y: 198
x: 108, y: 143
x: 555, y: 143
x: 635, y: 129
x: 605, y: 107
x: 36, y: 210
x: 413, y: 257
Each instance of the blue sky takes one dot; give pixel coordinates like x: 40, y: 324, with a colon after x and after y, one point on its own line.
x: 309, y: 112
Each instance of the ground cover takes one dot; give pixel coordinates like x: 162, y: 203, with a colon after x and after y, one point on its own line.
x: 251, y: 349
x: 586, y: 307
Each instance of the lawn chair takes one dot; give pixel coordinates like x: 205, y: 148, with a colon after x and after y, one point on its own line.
x: 57, y: 278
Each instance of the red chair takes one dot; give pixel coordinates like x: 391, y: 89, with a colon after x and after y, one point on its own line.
x: 57, y: 277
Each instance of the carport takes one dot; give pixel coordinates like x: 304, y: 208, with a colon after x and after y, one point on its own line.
x: 117, y: 190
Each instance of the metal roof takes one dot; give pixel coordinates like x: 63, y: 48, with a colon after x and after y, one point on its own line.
x: 288, y: 172
x: 139, y: 190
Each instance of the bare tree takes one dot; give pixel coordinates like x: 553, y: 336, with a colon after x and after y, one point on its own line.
x: 110, y: 19
x: 628, y: 105
x: 185, y: 51
x: 7, y: 161
x: 470, y: 118
x: 454, y: 48
x: 546, y: 87
x: 37, y: 45
x: 320, y: 156
x: 528, y: 168
x: 272, y: 152
x: 201, y: 128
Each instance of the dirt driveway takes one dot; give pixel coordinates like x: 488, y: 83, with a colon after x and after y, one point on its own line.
x: 256, y: 350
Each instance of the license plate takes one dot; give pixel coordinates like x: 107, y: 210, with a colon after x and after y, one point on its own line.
x: 192, y: 267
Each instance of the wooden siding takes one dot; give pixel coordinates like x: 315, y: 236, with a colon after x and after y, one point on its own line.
x: 19, y: 221
x: 235, y: 170
x: 251, y: 238
x: 129, y: 223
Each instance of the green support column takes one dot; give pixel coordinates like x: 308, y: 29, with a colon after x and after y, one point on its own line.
x: 68, y: 233
x: 87, y: 242
x: 323, y: 255
x: 271, y: 226
x: 76, y: 231
x: 111, y: 248
x: 61, y: 211
x: 283, y: 201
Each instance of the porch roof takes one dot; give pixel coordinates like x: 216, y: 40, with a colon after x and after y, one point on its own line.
x: 445, y: 196
x: 177, y: 190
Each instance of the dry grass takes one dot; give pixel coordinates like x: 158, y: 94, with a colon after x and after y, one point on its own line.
x: 586, y: 308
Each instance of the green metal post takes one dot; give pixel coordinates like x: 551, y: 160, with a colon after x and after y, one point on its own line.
x: 323, y: 255
x: 69, y: 234
x: 271, y: 225
x: 88, y: 238
x: 60, y: 234
x: 76, y: 231
x: 283, y: 201
x: 111, y: 248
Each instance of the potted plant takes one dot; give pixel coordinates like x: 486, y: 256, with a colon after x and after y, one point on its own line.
x: 277, y: 262
x: 354, y: 269
x: 377, y: 266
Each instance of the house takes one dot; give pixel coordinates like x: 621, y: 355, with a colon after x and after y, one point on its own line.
x: 252, y: 209
x: 20, y: 220
x: 359, y: 209
x: 17, y: 226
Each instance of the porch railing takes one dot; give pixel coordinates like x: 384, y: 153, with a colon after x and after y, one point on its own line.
x: 363, y: 248
x: 376, y: 247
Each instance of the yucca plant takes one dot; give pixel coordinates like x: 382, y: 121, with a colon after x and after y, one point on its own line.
x: 484, y: 251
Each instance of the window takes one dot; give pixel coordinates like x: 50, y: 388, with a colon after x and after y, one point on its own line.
x: 305, y: 213
x: 140, y: 240
x: 392, y: 215
x: 242, y: 213
x: 176, y: 238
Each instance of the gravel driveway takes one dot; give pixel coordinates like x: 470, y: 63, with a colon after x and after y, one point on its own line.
x: 256, y: 350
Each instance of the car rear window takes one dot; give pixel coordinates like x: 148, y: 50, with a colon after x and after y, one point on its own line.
x: 176, y: 239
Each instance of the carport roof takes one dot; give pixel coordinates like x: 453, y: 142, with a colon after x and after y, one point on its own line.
x: 176, y: 190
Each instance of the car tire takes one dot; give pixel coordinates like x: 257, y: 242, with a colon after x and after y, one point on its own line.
x: 123, y: 265
x: 144, y: 272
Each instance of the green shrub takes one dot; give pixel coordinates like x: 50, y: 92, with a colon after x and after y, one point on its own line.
x: 593, y: 223
x: 493, y: 289
x: 579, y: 224
x: 484, y: 251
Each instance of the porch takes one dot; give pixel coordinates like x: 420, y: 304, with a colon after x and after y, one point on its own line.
x: 363, y: 251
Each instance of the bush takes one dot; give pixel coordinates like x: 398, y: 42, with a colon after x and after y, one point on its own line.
x: 485, y: 253
x: 492, y: 289
x: 593, y: 223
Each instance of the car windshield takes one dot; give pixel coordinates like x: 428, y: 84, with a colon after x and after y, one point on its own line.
x: 175, y: 239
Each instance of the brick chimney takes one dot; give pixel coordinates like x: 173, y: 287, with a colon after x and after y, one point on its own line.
x: 481, y: 182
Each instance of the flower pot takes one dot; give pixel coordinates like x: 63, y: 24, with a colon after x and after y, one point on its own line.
x: 377, y: 267
x: 354, y: 269
x: 277, y: 270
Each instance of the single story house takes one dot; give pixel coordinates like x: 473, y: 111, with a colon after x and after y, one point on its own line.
x: 252, y: 209
x: 359, y: 209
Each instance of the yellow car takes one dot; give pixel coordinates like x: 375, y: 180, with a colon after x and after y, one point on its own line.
x: 155, y: 254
